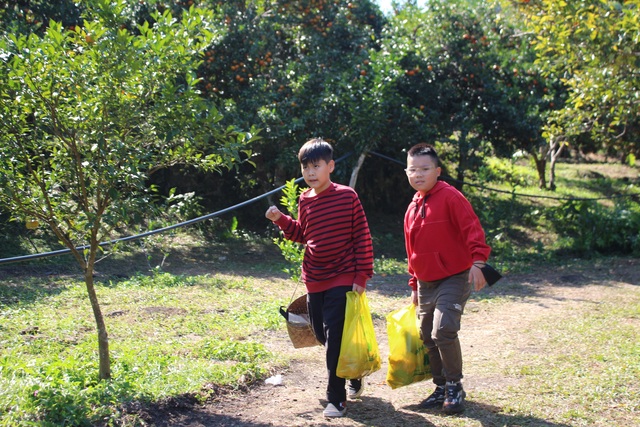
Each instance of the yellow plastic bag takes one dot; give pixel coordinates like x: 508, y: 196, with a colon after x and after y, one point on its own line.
x: 408, y: 358
x: 359, y: 355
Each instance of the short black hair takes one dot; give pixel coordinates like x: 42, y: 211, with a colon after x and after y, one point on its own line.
x: 423, y: 149
x: 315, y: 149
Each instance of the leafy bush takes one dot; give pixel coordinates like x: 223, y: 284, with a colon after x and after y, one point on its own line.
x: 594, y: 227
x: 505, y: 171
x: 293, y: 252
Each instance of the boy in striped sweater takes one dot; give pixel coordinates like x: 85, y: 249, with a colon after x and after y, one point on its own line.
x: 338, y: 258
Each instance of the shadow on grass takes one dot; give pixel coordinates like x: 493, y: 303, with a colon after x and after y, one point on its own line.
x: 376, y: 412
x: 186, y: 411
x: 490, y: 415
x: 27, y: 290
x: 572, y: 273
x: 237, y: 256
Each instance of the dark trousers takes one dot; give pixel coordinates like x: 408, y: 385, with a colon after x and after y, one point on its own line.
x: 326, y: 313
x: 441, y: 304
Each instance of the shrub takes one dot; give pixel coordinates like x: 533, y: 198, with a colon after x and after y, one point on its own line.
x: 594, y: 227
x: 293, y: 252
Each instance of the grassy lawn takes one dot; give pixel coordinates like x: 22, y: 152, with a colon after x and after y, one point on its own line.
x: 169, y: 335
x: 196, y: 337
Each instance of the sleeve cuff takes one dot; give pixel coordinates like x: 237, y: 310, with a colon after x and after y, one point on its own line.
x: 360, y: 280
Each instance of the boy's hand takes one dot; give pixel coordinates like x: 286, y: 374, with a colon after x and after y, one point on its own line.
x: 414, y: 297
x: 476, y: 278
x: 273, y: 213
x: 359, y: 289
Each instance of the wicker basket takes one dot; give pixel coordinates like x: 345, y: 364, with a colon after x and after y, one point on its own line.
x: 301, y: 335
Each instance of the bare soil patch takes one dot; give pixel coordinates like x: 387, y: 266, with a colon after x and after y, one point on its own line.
x: 489, y: 330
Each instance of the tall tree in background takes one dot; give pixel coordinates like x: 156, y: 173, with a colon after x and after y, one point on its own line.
x: 592, y: 45
x: 291, y: 67
x: 464, y: 83
x: 533, y: 96
x: 88, y: 114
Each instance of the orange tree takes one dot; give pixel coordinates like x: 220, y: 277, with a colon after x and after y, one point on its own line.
x: 533, y: 96
x: 446, y: 79
x: 26, y: 16
x: 88, y: 114
x: 593, y: 45
x: 337, y: 69
x: 290, y: 67
x: 468, y: 82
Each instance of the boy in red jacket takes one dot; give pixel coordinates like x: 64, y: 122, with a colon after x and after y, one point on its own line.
x: 338, y: 258
x: 445, y: 250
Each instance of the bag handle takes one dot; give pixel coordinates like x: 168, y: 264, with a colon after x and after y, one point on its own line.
x: 283, y: 311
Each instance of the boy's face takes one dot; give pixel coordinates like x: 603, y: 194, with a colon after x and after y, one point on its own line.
x: 423, y: 173
x: 317, y: 174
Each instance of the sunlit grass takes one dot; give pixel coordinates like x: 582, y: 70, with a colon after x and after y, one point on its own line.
x: 169, y: 335
x: 384, y: 266
x: 591, y: 362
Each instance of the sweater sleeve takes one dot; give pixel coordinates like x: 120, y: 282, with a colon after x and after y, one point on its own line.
x: 413, y: 281
x: 291, y: 228
x: 362, y: 244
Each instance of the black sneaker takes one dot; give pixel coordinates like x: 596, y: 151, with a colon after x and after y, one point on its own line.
x: 355, y: 389
x: 454, y: 400
x: 435, y: 399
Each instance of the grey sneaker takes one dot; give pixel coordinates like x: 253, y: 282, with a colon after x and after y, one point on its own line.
x: 335, y: 410
x: 454, y: 400
x: 355, y: 389
x: 435, y: 399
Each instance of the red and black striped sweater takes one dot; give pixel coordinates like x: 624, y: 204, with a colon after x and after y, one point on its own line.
x: 334, y: 229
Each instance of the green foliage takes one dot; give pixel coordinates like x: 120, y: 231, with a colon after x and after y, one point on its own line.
x: 525, y: 225
x: 592, y: 45
x: 182, y: 207
x: 293, y: 252
x: 594, y: 227
x: 236, y: 351
x: 496, y: 170
x: 384, y: 266
x: 89, y: 113
x: 289, y: 199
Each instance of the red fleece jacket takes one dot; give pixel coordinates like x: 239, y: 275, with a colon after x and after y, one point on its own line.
x: 443, y: 235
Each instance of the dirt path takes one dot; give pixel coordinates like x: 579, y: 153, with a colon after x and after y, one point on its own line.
x: 489, y: 329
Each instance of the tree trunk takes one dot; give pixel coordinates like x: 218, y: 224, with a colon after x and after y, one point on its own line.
x: 555, y: 150
x: 103, y: 338
x: 541, y: 167
x: 356, y: 170
x: 87, y: 266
